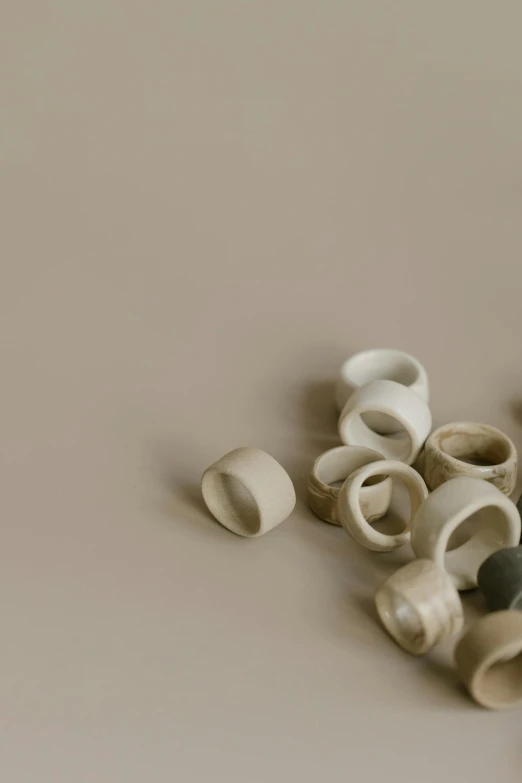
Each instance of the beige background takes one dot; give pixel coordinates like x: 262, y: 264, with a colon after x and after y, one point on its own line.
x: 205, y: 207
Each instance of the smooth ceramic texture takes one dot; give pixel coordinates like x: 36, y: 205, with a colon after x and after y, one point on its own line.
x: 408, y: 410
x: 380, y: 364
x: 349, y: 508
x: 336, y: 465
x: 248, y: 492
x: 470, y: 449
x: 489, y: 660
x: 419, y: 606
x: 500, y: 579
x: 477, y: 515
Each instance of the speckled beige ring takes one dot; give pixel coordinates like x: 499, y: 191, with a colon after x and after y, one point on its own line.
x: 458, y: 503
x: 419, y: 606
x: 489, y: 660
x: 470, y: 449
x: 349, y: 509
x: 248, y: 492
x: 336, y: 465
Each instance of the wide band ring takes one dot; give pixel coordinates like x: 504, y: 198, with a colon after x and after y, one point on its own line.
x: 419, y: 606
x: 489, y: 660
x: 470, y: 449
x: 248, y: 492
x: 451, y: 511
x: 380, y: 364
x: 336, y: 465
x: 410, y: 412
x: 349, y: 509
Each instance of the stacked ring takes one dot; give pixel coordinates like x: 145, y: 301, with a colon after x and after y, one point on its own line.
x: 492, y: 517
x: 349, y: 508
x: 336, y: 465
x: 410, y: 412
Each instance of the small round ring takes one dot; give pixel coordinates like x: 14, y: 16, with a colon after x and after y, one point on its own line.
x: 491, y: 523
x: 248, y: 492
x: 470, y: 449
x: 500, y: 579
x: 380, y: 364
x: 489, y: 660
x: 409, y: 411
x: 349, y: 509
x: 336, y: 465
x: 419, y: 606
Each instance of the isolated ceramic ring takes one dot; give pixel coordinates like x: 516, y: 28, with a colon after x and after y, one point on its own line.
x: 349, y: 508
x: 489, y: 660
x: 248, y: 492
x: 469, y: 449
x: 380, y: 364
x: 410, y: 412
x: 500, y: 579
x: 336, y: 465
x: 419, y: 606
x: 449, y: 508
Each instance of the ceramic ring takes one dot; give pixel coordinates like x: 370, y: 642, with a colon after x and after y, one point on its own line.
x: 419, y: 606
x: 248, y: 492
x: 410, y: 412
x: 336, y: 465
x: 470, y: 449
x: 489, y: 660
x: 349, y: 508
x: 460, y: 524
x: 380, y: 364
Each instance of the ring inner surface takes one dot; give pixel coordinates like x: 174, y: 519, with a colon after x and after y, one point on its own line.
x: 481, y: 448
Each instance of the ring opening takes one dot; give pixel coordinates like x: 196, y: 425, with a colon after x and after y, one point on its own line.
x: 397, y: 518
x: 232, y: 504
x: 396, y: 446
x: 401, y: 620
x: 474, y: 540
x: 480, y: 448
x: 381, y: 365
x: 501, y: 683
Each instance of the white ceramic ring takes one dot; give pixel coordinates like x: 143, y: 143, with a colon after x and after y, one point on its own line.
x: 495, y: 524
x: 336, y: 465
x: 380, y: 364
x: 410, y: 412
x: 419, y: 606
x: 470, y: 449
x: 349, y: 508
x: 248, y: 492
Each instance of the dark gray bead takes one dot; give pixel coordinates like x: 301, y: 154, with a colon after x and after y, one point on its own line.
x: 519, y: 506
x: 500, y: 579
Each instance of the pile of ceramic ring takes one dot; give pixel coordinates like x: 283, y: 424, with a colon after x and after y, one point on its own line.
x: 463, y: 528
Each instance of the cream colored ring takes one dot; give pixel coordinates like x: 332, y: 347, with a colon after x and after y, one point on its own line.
x: 446, y: 509
x: 336, y: 465
x: 470, y: 449
x: 419, y: 605
x: 489, y: 659
x: 248, y: 492
x: 349, y: 509
x: 380, y: 364
x: 408, y: 410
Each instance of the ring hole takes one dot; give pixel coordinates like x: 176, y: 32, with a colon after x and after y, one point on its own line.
x: 233, y: 505
x: 335, y: 466
x: 396, y: 519
x: 502, y: 682
x: 474, y: 540
x: 484, y: 448
x: 401, y: 620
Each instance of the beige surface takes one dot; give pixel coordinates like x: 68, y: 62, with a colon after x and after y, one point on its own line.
x: 207, y: 206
